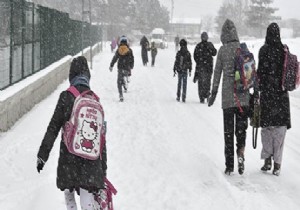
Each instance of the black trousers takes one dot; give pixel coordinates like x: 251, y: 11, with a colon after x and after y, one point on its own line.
x: 153, y: 60
x: 204, y: 83
x: 236, y: 123
x: 121, y: 80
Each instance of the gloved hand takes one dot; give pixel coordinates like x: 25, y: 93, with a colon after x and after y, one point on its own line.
x: 212, y: 98
x: 190, y: 74
x: 174, y: 74
x: 40, y: 164
x: 110, y: 68
x: 195, y: 77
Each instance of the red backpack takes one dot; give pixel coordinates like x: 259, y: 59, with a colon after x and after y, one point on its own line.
x: 291, y: 71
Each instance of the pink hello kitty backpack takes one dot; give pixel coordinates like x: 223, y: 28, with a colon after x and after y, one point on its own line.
x: 84, y: 133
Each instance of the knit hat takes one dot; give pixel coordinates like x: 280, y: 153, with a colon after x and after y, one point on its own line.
x: 182, y: 43
x: 204, y: 36
x: 79, y: 67
x: 123, y: 39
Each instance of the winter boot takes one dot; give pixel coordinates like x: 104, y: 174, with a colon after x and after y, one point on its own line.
x: 125, y: 86
x: 228, y: 171
x: 202, y: 100
x: 121, y: 98
x: 178, y: 99
x: 241, y: 165
x: 268, y: 164
x: 276, y: 170
x: 240, y: 157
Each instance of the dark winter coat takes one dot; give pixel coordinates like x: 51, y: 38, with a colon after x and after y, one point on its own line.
x: 203, y: 56
x: 225, y: 64
x: 183, y: 61
x: 72, y: 171
x: 145, y: 46
x: 275, y: 103
x: 125, y: 58
x: 176, y: 40
x: 153, y: 50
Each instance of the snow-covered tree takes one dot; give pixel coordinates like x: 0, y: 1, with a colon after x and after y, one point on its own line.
x: 234, y: 10
x: 260, y: 15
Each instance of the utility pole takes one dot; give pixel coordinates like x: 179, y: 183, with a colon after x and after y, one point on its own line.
x: 172, y: 10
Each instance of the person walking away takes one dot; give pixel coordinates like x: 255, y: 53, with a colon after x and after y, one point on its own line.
x: 125, y: 59
x: 153, y: 50
x: 203, y: 56
x: 74, y: 173
x: 145, y: 47
x: 113, y: 44
x: 275, y: 104
x: 176, y: 41
x: 235, y: 122
x: 182, y: 66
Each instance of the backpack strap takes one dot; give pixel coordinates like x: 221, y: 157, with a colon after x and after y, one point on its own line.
x: 286, y: 51
x: 92, y: 93
x: 236, y: 98
x: 74, y: 91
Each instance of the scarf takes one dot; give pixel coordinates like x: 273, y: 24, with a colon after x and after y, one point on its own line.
x: 80, y: 80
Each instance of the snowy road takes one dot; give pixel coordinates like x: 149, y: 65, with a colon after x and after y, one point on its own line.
x: 162, y: 154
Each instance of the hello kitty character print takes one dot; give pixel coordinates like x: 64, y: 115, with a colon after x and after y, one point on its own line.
x: 84, y: 133
x: 89, y: 134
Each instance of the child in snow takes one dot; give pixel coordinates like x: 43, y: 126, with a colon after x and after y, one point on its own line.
x: 235, y: 122
x: 113, y: 44
x: 74, y: 173
x: 125, y: 59
x: 144, y: 49
x: 275, y: 103
x: 182, y: 66
x: 203, y: 56
x: 153, y: 50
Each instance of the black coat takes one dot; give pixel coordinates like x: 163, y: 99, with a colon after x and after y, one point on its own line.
x: 125, y: 58
x: 183, y: 61
x: 72, y: 171
x: 145, y: 46
x: 203, y: 56
x: 275, y: 103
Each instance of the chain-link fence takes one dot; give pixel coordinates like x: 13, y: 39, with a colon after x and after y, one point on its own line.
x: 32, y: 37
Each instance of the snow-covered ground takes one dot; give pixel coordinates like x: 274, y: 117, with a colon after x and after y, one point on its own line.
x: 162, y: 154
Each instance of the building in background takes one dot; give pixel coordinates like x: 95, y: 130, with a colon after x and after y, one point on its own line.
x: 188, y: 28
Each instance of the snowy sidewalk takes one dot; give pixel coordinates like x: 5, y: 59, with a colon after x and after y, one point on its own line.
x: 162, y: 154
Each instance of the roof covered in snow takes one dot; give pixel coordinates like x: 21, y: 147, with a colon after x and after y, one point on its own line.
x: 186, y: 20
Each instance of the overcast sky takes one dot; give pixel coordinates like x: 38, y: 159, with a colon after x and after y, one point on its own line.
x: 200, y: 8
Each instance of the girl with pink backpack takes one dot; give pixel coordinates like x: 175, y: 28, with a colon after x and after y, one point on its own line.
x: 75, y: 173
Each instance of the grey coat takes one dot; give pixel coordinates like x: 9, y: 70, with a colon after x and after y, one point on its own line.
x: 225, y: 65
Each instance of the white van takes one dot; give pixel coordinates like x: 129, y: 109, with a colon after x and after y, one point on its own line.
x: 158, y: 37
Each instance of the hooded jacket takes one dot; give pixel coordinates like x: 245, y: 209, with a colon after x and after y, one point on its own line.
x: 125, y: 58
x: 275, y: 104
x: 72, y: 171
x: 183, y: 61
x: 203, y: 54
x: 225, y: 65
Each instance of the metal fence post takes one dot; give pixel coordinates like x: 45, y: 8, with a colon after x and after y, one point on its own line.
x: 11, y: 41
x: 23, y: 36
x: 91, y: 42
